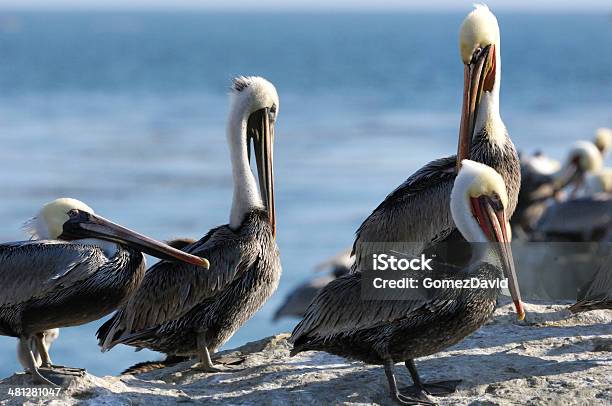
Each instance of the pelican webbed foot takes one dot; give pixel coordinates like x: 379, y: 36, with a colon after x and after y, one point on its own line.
x: 419, y: 398
x: 63, y: 370
x: 206, y: 364
x: 434, y: 388
x: 441, y: 388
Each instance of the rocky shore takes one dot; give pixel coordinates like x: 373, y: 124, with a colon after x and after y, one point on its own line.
x: 550, y: 358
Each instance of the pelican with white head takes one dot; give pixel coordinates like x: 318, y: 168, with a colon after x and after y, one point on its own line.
x: 77, y: 268
x: 70, y: 219
x: 254, y: 106
x: 478, y: 205
x: 584, y: 158
x: 246, y: 263
x: 479, y: 45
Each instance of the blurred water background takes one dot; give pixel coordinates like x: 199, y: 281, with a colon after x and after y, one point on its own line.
x: 126, y: 111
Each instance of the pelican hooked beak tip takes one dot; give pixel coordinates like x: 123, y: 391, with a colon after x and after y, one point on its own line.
x: 520, y: 309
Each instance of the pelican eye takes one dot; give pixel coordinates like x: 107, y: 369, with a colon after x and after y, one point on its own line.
x: 273, y: 112
x: 496, y: 202
x: 73, y: 213
x: 475, y: 54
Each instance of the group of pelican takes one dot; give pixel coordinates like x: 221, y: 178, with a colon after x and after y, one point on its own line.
x: 80, y: 267
x: 569, y: 202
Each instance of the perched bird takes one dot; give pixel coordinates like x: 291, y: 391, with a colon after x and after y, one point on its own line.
x: 417, y: 213
x: 384, y: 332
x: 181, y: 312
x: 583, y: 158
x: 542, y: 179
x: 80, y: 268
x: 298, y: 299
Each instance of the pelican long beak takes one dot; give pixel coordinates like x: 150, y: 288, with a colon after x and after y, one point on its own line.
x: 261, y: 131
x: 87, y: 225
x: 492, y: 220
x: 478, y: 76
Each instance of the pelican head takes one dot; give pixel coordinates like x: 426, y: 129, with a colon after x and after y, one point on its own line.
x: 70, y: 219
x: 583, y: 158
x: 478, y: 202
x: 254, y: 107
x: 479, y: 49
x: 603, y: 140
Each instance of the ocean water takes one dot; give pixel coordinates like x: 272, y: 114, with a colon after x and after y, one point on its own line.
x: 126, y: 111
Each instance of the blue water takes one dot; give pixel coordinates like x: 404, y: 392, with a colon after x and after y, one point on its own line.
x: 126, y: 112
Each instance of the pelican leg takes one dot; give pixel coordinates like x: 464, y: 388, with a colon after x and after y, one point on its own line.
x: 420, y: 399
x: 25, y: 348
x: 43, y: 351
x: 206, y: 363
x: 434, y: 388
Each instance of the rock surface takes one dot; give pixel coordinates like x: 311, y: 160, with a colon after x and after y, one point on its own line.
x: 551, y: 358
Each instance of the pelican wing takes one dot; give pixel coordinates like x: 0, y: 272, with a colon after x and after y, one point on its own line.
x: 339, y: 309
x: 33, y: 269
x: 171, y: 289
x: 400, y: 217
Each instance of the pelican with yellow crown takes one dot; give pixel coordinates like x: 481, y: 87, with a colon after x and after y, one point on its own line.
x: 78, y: 268
x: 383, y: 332
x: 418, y: 211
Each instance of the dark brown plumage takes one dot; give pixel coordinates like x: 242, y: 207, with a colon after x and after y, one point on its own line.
x: 598, y: 294
x: 148, y: 366
x: 179, y: 308
x: 51, y: 284
x: 344, y: 322
x: 400, y: 218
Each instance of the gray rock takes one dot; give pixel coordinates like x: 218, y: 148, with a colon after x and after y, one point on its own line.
x: 553, y: 357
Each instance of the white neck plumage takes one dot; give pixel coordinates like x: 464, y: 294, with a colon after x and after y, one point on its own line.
x: 488, y: 117
x: 246, y: 196
x: 462, y: 216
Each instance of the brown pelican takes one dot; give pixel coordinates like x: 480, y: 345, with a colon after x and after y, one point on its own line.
x: 584, y: 158
x: 181, y: 312
x: 418, y: 212
x: 542, y: 179
x: 48, y: 283
x: 603, y: 140
x: 340, y: 322
x: 298, y: 299
x: 598, y: 293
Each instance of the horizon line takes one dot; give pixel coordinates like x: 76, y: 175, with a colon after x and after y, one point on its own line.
x: 295, y: 10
